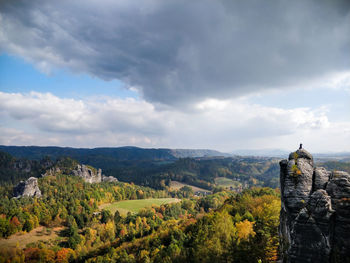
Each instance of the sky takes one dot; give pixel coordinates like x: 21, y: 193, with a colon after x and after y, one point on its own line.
x: 222, y: 75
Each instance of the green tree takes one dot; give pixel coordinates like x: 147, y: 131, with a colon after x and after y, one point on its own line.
x: 73, y: 236
x: 117, y: 218
x: 28, y: 225
x: 106, y: 216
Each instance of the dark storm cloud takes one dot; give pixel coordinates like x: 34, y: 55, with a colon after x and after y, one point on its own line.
x: 176, y: 52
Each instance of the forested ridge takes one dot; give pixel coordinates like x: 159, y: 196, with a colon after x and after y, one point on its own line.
x: 222, y: 227
x: 155, y: 167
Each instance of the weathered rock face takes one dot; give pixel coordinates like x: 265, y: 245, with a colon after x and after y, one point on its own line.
x: 109, y: 179
x: 91, y: 175
x: 27, y: 188
x: 88, y: 174
x: 315, y: 212
x: 52, y: 171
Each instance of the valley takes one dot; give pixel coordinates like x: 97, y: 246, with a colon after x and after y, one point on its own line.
x: 155, y: 168
x: 67, y: 211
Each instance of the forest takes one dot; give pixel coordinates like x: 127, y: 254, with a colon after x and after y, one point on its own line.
x: 222, y: 226
x: 148, y: 167
x: 225, y: 225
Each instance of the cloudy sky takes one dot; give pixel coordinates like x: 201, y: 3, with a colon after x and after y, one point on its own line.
x: 224, y: 75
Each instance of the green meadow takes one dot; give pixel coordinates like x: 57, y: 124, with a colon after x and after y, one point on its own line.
x: 134, y: 206
x: 226, y: 182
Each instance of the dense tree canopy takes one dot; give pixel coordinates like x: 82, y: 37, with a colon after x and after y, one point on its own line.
x: 220, y: 227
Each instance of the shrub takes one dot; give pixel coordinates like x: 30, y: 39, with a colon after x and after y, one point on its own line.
x: 295, y: 171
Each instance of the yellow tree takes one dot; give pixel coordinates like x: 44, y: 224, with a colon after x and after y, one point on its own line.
x: 245, y: 230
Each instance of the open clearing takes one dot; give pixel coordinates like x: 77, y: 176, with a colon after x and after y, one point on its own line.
x: 134, y: 206
x: 226, y: 182
x: 176, y: 185
x: 40, y: 233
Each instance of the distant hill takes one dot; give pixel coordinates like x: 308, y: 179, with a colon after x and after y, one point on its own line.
x: 120, y: 153
x: 128, y: 164
x: 127, y: 153
x: 156, y: 167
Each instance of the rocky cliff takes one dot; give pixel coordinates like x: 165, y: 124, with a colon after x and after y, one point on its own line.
x: 315, y: 212
x: 88, y: 174
x: 28, y: 188
x: 92, y: 175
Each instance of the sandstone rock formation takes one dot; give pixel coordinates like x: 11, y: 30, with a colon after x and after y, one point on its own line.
x: 315, y: 211
x: 27, y: 188
x: 109, y: 179
x: 92, y: 175
x: 88, y: 174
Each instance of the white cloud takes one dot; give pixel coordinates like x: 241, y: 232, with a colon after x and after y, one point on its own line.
x: 45, y: 119
x: 9, y: 135
x: 53, y: 114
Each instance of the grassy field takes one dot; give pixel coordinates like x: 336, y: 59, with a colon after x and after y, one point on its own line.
x: 134, y: 206
x: 175, y: 185
x: 226, y: 182
x: 38, y: 234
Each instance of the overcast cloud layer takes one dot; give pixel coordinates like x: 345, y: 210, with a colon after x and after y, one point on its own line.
x: 177, y: 52
x: 220, y: 124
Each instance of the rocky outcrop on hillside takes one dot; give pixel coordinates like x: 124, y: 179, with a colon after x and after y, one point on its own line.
x: 315, y: 211
x: 51, y: 172
x: 28, y: 188
x: 109, y: 179
x: 91, y: 175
